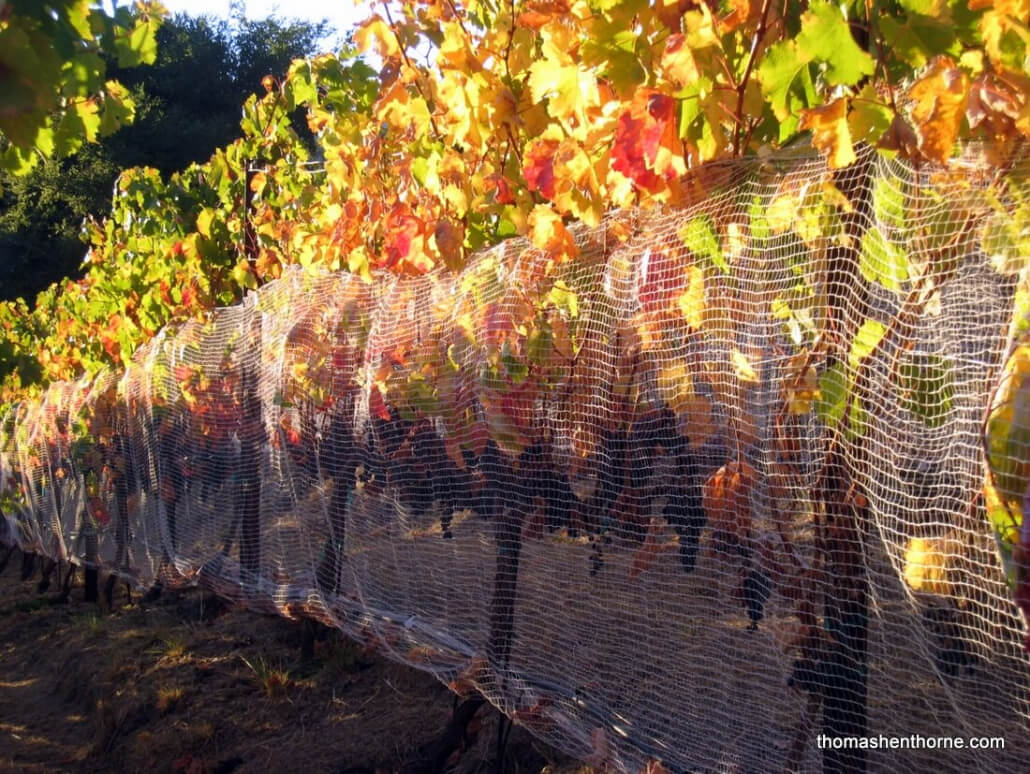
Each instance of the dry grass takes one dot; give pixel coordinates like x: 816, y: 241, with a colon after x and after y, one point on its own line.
x: 159, y: 688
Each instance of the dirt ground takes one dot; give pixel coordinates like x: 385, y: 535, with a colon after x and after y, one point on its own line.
x: 182, y: 685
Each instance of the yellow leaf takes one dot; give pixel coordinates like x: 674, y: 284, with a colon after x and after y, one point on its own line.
x: 802, y: 384
x: 204, y: 221
x: 929, y: 563
x: 1002, y: 18
x: 742, y: 367
x: 454, y: 50
x: 569, y: 90
x: 830, y: 132
x: 403, y: 111
x: 780, y: 213
x: 549, y: 233
x: 691, y: 302
x: 676, y: 387
x: 576, y: 189
x: 358, y: 263
x: 678, y: 60
x: 376, y: 35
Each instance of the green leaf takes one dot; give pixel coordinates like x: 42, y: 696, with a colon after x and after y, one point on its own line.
x: 918, y: 39
x: 119, y: 108
x: 539, y: 343
x: 883, y: 261
x: 80, y: 121
x: 1005, y: 238
x: 868, y: 118
x: 890, y: 202
x: 825, y: 37
x: 563, y: 298
x: 18, y: 160
x: 517, y: 370
x: 927, y: 388
x: 138, y: 45
x: 420, y: 169
x: 833, y: 395
x: 77, y: 13
x: 300, y: 86
x: 698, y: 236
x: 866, y: 340
x: 204, y: 218
x: 858, y: 420
x: 780, y: 66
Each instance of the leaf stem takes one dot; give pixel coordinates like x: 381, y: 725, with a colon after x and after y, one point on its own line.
x: 407, y: 61
x: 763, y: 26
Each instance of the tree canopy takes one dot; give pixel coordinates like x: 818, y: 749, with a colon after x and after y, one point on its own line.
x: 53, y: 74
x: 175, y: 124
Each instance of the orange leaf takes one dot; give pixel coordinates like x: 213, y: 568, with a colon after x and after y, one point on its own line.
x: 830, y: 132
x: 404, y: 243
x: 740, y: 12
x: 540, y: 12
x: 727, y: 502
x: 938, y: 102
x: 670, y: 12
x: 576, y: 191
x: 449, y: 236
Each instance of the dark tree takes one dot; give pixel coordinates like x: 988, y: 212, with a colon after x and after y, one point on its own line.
x: 187, y: 105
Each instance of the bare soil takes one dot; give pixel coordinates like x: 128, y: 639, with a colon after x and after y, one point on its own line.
x: 185, y: 685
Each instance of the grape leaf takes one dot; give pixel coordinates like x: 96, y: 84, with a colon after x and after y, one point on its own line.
x: 647, y: 148
x: 938, y: 107
x: 927, y: 388
x: 918, y: 38
x: 869, y: 117
x: 883, y: 261
x: 825, y: 37
x: 830, y: 132
x: 866, y: 341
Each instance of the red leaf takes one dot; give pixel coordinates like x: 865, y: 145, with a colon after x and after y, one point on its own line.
x: 647, y: 148
x: 402, y: 228
x: 377, y: 406
x: 538, y: 167
x: 501, y: 188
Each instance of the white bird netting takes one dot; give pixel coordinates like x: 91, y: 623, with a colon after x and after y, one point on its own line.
x: 700, y: 495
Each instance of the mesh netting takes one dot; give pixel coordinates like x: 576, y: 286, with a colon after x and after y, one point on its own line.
x: 707, y: 491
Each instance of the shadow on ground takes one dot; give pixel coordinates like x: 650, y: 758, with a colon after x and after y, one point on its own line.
x: 182, y: 685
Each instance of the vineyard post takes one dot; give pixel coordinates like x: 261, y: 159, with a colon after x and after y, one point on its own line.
x: 121, y: 494
x: 508, y: 536
x: 250, y: 428
x: 502, y: 606
x: 846, y: 603
x: 91, y: 575
x: 845, y: 701
x: 248, y: 476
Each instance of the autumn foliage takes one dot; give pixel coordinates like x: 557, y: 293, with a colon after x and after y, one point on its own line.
x: 485, y: 121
